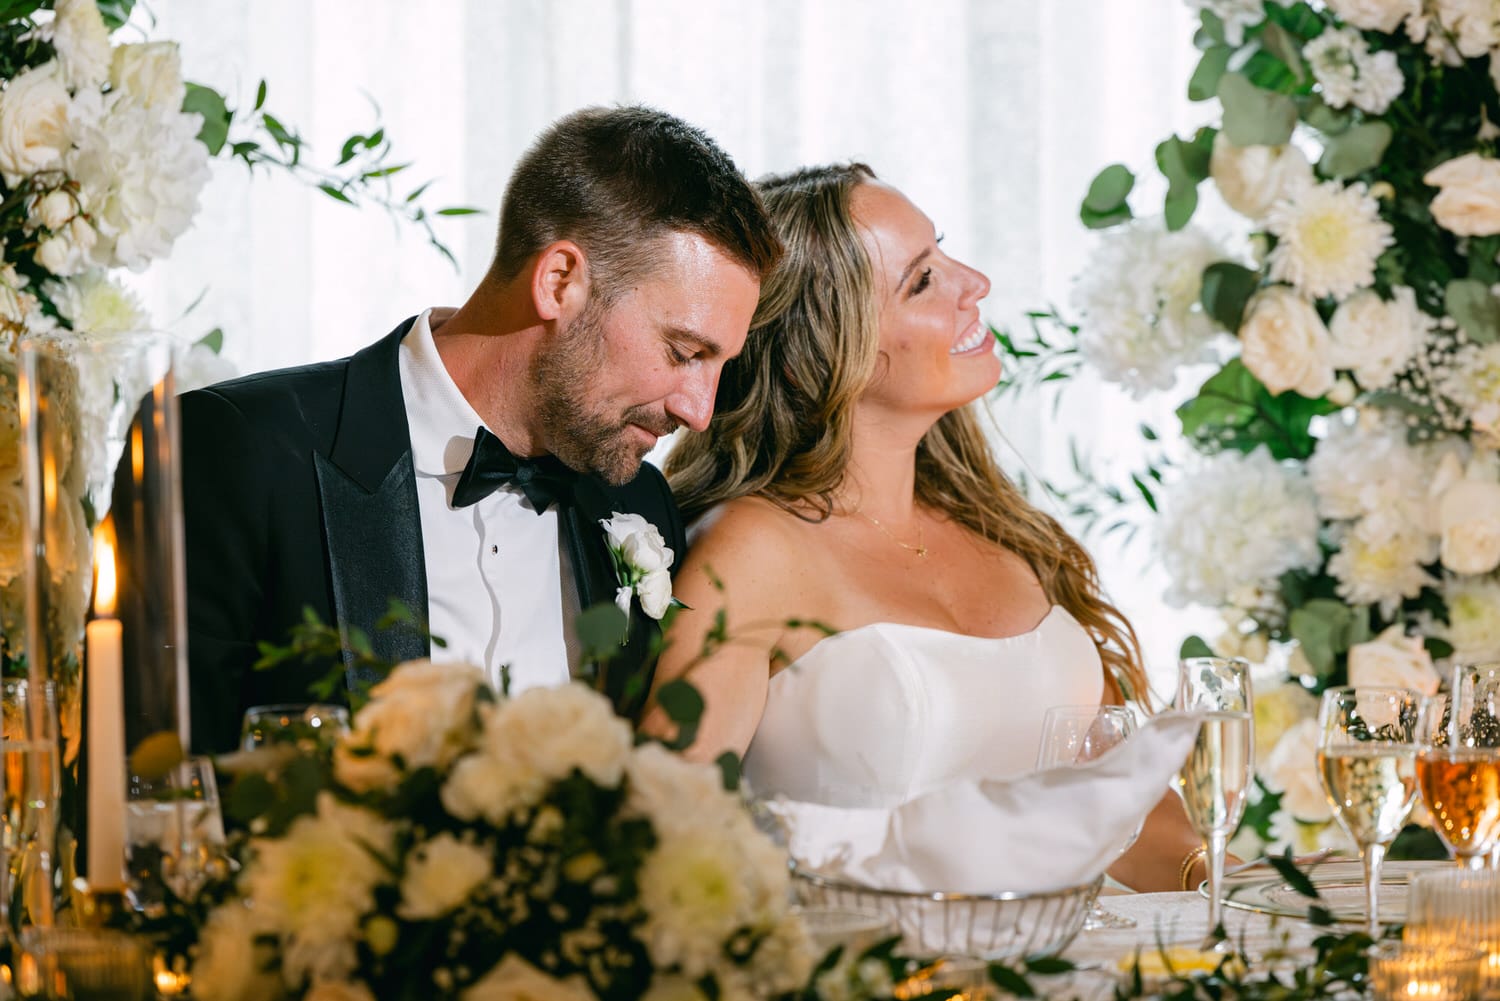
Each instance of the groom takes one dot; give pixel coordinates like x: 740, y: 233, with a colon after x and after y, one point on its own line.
x: 465, y: 462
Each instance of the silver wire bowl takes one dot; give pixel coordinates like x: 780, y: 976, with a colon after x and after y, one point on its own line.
x: 991, y: 926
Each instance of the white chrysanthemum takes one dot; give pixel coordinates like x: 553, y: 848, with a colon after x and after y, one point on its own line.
x: 694, y: 897
x: 1376, y: 338
x: 1238, y: 520
x: 1367, y: 466
x: 1329, y: 236
x: 1350, y: 73
x: 1375, y: 15
x: 98, y: 307
x: 1381, y: 561
x: 140, y: 170
x: 314, y: 884
x: 1139, y: 299
x: 1471, y: 379
x: 1473, y: 618
x: 1291, y: 769
x: 1236, y: 15
x: 441, y: 873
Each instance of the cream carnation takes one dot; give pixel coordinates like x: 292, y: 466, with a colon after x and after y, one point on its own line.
x: 96, y: 306
x: 1376, y: 338
x: 1468, y: 199
x: 1251, y: 179
x: 1285, y: 345
x: 1393, y: 660
x: 1139, y: 296
x: 1473, y: 618
x: 82, y: 43
x: 672, y: 792
x: 1375, y: 15
x: 1367, y: 466
x: 1292, y: 771
x: 440, y: 875
x: 1239, y: 520
x: 1329, y: 236
x: 34, y: 131
x: 1349, y: 73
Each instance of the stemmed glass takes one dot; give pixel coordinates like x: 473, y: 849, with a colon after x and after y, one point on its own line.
x: 1458, y: 766
x: 306, y: 727
x: 1072, y: 735
x: 1215, y: 779
x: 174, y: 831
x: 1367, y: 760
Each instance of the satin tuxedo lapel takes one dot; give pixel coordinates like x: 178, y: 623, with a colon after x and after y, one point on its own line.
x: 367, y: 490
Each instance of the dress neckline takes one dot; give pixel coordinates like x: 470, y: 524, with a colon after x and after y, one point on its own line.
x: 1052, y: 611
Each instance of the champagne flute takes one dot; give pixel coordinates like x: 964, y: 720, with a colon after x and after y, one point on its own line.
x: 1215, y: 779
x: 1367, y: 760
x: 1072, y: 735
x: 1458, y: 766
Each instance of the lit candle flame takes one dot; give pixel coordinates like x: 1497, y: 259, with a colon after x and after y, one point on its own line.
x: 104, y: 568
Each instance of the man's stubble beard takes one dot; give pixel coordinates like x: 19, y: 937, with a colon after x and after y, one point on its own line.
x: 583, y: 438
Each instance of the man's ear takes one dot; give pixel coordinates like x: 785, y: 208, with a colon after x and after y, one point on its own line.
x: 560, y: 280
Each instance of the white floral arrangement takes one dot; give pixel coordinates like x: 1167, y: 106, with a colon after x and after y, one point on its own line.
x: 467, y: 846
x: 1335, y: 346
x: 643, y: 564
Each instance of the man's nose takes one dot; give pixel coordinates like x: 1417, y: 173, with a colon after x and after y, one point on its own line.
x: 693, y: 403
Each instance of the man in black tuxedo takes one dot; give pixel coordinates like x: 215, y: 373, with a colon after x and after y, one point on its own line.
x: 465, y: 462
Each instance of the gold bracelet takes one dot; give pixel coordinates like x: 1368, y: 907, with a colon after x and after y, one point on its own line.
x: 1188, y: 861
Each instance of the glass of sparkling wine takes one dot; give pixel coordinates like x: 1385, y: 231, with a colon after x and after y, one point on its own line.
x: 1367, y: 751
x: 1458, y: 766
x: 1216, y: 777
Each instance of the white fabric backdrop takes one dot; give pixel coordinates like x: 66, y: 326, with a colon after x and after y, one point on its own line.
x: 991, y: 114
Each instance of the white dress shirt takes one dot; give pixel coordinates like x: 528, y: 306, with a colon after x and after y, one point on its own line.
x: 500, y: 589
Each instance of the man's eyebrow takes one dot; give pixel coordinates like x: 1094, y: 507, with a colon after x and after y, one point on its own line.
x: 912, y: 267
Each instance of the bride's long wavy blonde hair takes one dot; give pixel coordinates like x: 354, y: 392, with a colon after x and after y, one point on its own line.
x: 782, y: 427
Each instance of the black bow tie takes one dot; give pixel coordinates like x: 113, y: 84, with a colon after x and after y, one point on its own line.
x: 544, y: 480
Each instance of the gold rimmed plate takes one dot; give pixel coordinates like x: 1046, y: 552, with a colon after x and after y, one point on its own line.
x: 1340, y: 885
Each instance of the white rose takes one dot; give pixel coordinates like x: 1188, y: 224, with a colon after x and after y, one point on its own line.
x: 1285, y: 345
x: 1251, y: 179
x: 1375, y: 15
x: 1292, y: 770
x: 619, y: 527
x: 673, y: 792
x: 151, y: 72
x: 82, y: 42
x: 421, y: 716
x: 1393, y: 660
x: 1277, y: 711
x: 54, y: 209
x: 514, y: 979
x: 1468, y: 203
x: 647, y: 551
x: 33, y: 123
x: 68, y: 251
x: 1375, y: 338
x: 338, y: 990
x: 655, y: 590
x: 1469, y: 520
x: 622, y: 599
x: 440, y: 875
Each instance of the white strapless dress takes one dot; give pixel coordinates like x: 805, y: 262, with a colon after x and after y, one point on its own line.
x: 881, y: 714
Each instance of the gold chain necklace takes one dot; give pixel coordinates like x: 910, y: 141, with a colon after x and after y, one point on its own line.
x: 920, y: 548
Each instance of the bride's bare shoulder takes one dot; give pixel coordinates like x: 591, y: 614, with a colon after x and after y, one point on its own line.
x: 753, y: 531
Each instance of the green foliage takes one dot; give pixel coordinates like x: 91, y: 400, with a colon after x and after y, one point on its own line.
x: 1327, y: 628
x: 1234, y: 410
x: 1227, y: 287
x: 1194, y: 646
x: 1255, y: 117
x: 1356, y: 150
x: 601, y: 630
x: 1475, y: 308
x: 1105, y: 204
x: 1184, y: 164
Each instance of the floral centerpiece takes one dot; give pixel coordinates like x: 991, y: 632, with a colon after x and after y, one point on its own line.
x: 1341, y: 498
x: 469, y: 846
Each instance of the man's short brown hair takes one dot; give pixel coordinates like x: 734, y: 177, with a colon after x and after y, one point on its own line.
x: 613, y: 180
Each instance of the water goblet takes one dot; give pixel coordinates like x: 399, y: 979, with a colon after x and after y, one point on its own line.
x: 1215, y: 779
x: 1458, y: 767
x: 305, y: 726
x: 1072, y: 735
x: 174, y: 832
x: 1367, y: 762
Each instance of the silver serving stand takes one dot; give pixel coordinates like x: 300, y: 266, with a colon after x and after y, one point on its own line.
x: 989, y: 926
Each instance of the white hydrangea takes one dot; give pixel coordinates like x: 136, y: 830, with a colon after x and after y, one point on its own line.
x: 1366, y: 466
x: 1240, y: 519
x: 1376, y: 338
x: 1329, y: 236
x: 1381, y: 560
x: 1350, y: 73
x: 1473, y: 618
x: 1139, y: 300
x: 1237, y: 15
x: 98, y: 307
x: 140, y: 170
x: 1471, y: 379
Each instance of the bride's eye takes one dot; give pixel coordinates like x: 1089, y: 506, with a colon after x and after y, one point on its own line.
x: 920, y: 285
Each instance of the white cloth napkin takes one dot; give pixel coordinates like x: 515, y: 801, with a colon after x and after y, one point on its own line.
x: 1042, y: 831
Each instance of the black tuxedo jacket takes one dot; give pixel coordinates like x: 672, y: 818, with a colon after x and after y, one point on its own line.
x: 298, y: 491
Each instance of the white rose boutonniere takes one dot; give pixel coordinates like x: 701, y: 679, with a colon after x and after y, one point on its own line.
x: 643, y: 563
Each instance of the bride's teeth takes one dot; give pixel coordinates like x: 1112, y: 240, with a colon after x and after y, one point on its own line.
x: 969, y: 343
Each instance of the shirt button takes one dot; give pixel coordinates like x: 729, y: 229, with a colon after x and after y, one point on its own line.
x: 494, y: 550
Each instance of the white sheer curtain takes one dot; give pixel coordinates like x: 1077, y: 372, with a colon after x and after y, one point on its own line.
x: 991, y: 114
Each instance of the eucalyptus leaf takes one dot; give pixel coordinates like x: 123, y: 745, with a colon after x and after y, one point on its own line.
x: 1326, y: 120
x: 1285, y: 46
x: 1204, y: 83
x: 1322, y: 628
x: 1213, y: 27
x: 601, y: 629
x: 1109, y: 188
x: 213, y: 340
x: 1355, y: 151
x: 210, y: 104
x: 1179, y: 207
x: 1472, y: 304
x: 1104, y: 220
x: 115, y: 12
x: 1227, y: 287
x: 1195, y: 646
x: 1255, y: 117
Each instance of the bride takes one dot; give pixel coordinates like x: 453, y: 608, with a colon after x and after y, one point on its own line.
x: 845, y: 480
